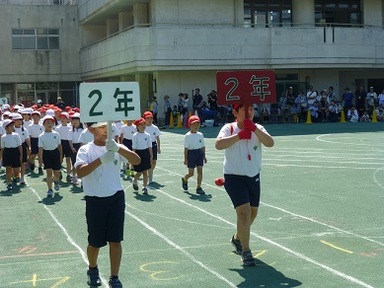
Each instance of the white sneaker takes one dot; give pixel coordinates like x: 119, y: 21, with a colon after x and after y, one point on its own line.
x: 74, y: 180
x: 22, y: 181
x: 50, y: 193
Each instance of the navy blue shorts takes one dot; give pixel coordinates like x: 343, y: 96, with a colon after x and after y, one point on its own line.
x: 105, y: 219
x: 145, y: 163
x: 195, y: 158
x: 243, y: 189
x: 73, y: 155
x: 11, y: 157
x: 67, y: 151
x: 25, y: 154
x: 154, y: 150
x: 34, y: 146
x: 51, y: 159
x: 127, y: 143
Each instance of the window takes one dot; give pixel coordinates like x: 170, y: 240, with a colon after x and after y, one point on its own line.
x: 35, y: 39
x: 338, y: 12
x: 267, y: 13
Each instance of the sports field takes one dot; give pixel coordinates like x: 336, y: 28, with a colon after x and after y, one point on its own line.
x: 321, y: 220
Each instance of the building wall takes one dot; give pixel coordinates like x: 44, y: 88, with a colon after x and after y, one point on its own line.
x: 39, y: 65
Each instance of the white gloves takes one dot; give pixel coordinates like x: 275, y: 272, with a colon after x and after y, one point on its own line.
x: 112, y: 145
x: 107, y: 157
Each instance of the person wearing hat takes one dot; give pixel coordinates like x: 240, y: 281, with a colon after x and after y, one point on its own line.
x: 98, y: 165
x: 154, y: 131
x: 12, y: 151
x: 371, y: 100
x: 34, y: 130
x: 194, y: 154
x: 50, y: 154
x: 64, y: 128
x: 25, y: 143
x: 60, y: 103
x: 242, y: 143
x: 142, y: 145
x: 74, y: 141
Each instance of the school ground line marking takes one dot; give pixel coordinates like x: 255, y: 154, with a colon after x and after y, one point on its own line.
x: 181, y: 249
x: 296, y: 254
x: 69, y: 238
x: 336, y: 247
x: 375, y: 177
x: 38, y: 254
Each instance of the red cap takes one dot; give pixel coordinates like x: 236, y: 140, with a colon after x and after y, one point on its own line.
x: 139, y: 121
x: 193, y: 119
x: 147, y: 114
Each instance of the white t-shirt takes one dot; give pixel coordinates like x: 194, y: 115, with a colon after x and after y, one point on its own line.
x: 104, y: 181
x: 154, y: 131
x: 193, y: 141
x: 128, y: 131
x: 86, y: 136
x: 49, y: 140
x: 10, y: 140
x: 74, y: 134
x: 141, y: 141
x: 63, y: 131
x: 23, y: 132
x: 244, y: 157
x: 35, y: 130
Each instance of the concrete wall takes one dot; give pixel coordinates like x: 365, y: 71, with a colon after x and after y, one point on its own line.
x: 40, y: 65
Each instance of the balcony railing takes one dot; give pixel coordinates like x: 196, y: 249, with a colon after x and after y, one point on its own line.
x: 38, y: 2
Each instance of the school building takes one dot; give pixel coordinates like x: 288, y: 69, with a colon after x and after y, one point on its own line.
x: 48, y: 47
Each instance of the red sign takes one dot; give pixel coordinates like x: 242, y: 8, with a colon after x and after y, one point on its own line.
x: 246, y: 86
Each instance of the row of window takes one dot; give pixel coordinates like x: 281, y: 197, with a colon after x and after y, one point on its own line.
x: 263, y: 13
x: 46, y: 39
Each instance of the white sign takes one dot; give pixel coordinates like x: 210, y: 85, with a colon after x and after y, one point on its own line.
x: 109, y: 101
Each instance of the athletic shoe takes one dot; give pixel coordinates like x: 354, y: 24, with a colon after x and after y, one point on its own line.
x: 68, y: 178
x: 56, y: 185
x: 22, y: 181
x: 144, y: 190
x: 247, y: 258
x: 237, y: 244
x: 74, y: 180
x: 10, y: 187
x: 200, y: 191
x: 135, y: 186
x: 132, y: 174
x: 115, y: 283
x: 184, y: 184
x: 127, y: 172
x: 50, y: 193
x: 93, y: 277
x: 60, y: 175
x: 40, y: 170
x: 15, y: 179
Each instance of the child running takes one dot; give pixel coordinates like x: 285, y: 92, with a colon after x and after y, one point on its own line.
x: 12, y: 151
x: 98, y: 165
x: 50, y: 153
x: 141, y: 144
x: 194, y: 153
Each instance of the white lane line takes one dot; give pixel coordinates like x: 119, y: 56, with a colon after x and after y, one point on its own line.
x: 181, y: 249
x: 375, y: 177
x: 69, y: 238
x: 296, y: 254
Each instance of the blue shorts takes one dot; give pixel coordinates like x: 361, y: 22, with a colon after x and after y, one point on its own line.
x: 51, y: 159
x: 145, y: 163
x: 105, y: 219
x: 127, y: 143
x: 67, y: 151
x: 195, y: 158
x: 243, y: 189
x: 34, y: 146
x: 11, y: 157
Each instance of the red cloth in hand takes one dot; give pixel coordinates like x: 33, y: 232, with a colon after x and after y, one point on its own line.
x: 245, y: 134
x: 249, y: 125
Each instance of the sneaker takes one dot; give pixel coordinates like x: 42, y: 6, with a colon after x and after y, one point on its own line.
x: 56, y: 185
x: 22, y: 181
x: 40, y: 170
x: 93, y: 277
x: 145, y: 190
x: 128, y: 172
x: 200, y: 191
x: 115, y: 283
x: 10, y: 187
x: 74, y: 180
x: 132, y: 174
x: 68, y: 178
x: 237, y: 244
x: 247, y: 258
x: 135, y: 186
x: 50, y: 193
x: 184, y: 184
x: 60, y: 175
x: 15, y: 179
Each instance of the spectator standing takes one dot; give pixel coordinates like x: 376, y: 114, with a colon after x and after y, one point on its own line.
x: 167, y: 110
x: 371, y: 100
x: 361, y: 97
x: 60, y: 103
x: 381, y: 99
x: 348, y: 98
x: 311, y: 96
x: 153, y: 107
x: 197, y: 103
